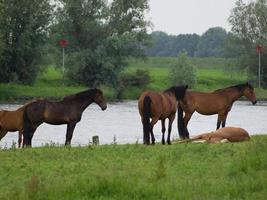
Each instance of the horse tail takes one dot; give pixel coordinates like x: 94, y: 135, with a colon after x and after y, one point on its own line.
x: 182, y: 129
x: 26, y: 128
x: 146, y: 121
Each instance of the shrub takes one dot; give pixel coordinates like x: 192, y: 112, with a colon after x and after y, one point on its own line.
x: 183, y: 71
x: 139, y: 79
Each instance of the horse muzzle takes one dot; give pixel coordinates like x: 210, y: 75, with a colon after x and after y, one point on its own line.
x: 104, y: 107
x: 254, y: 102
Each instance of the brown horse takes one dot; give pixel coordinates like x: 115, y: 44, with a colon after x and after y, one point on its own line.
x: 218, y: 102
x: 68, y: 111
x: 159, y: 106
x: 227, y: 134
x: 12, y: 121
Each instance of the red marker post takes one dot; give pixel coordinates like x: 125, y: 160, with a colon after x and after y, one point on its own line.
x: 259, y: 50
x: 63, y: 43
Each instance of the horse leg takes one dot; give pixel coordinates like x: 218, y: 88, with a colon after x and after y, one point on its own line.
x: 163, y: 129
x: 218, y: 123
x: 171, y: 118
x: 69, y: 133
x: 31, y: 135
x: 187, y: 117
x: 224, y: 119
x: 219, y: 120
x: 3, y: 132
x: 153, y: 122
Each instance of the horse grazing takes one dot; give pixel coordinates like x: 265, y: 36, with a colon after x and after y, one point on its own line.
x: 218, y: 102
x: 227, y: 134
x: 159, y: 106
x: 68, y: 111
x: 11, y: 121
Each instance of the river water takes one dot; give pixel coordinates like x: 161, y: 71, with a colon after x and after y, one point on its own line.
x: 120, y: 123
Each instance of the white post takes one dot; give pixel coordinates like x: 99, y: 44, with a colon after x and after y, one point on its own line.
x: 63, y: 64
x: 259, y: 73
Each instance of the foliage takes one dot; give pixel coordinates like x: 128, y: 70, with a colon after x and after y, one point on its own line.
x: 211, y: 43
x: 127, y: 81
x: 249, y: 20
x: 249, y: 29
x: 169, y: 45
x: 183, y: 72
x: 23, y: 30
x: 101, y: 36
x: 215, y: 171
x: 140, y: 78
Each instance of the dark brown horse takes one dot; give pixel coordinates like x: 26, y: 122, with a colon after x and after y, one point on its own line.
x: 12, y: 121
x: 218, y: 102
x: 68, y: 111
x: 159, y: 106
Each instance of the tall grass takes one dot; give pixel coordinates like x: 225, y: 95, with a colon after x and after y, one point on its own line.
x: 181, y: 171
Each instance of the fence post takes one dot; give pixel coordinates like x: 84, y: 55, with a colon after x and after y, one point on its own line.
x: 95, y: 140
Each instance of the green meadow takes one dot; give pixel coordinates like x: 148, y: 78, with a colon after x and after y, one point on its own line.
x: 212, y: 74
x: 178, y: 171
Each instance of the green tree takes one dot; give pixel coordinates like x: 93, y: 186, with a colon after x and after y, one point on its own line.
x: 249, y: 28
x: 183, y: 71
x: 102, y: 36
x: 170, y: 45
x: 211, y: 43
x: 23, y: 29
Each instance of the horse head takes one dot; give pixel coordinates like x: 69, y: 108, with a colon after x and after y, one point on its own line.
x: 249, y: 93
x: 100, y: 100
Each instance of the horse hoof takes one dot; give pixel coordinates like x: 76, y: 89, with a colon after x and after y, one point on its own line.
x: 169, y: 143
x: 163, y: 142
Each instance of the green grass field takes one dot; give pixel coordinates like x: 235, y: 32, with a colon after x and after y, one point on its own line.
x: 179, y: 171
x: 212, y: 73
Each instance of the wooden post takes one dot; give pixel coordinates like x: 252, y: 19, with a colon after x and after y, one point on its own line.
x: 95, y: 140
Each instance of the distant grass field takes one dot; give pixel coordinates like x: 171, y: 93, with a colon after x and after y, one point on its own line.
x: 48, y: 84
x: 179, y: 171
x: 212, y: 73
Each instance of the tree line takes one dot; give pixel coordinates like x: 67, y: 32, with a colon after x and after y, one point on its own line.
x: 210, y: 44
x: 249, y: 30
x: 103, y: 36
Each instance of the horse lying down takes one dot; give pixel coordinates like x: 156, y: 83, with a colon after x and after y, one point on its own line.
x: 227, y: 134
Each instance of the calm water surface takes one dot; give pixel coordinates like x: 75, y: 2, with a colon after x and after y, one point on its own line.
x: 121, y: 122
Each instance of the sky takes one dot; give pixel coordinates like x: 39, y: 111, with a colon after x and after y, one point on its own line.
x: 189, y: 16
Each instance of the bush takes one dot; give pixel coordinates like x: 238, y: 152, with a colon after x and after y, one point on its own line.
x: 183, y: 71
x: 139, y: 79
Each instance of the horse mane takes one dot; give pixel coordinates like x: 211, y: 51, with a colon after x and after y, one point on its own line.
x: 239, y: 87
x: 84, y: 95
x: 178, y: 91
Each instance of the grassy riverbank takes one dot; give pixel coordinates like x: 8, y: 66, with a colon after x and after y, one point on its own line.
x: 179, y: 171
x: 212, y: 73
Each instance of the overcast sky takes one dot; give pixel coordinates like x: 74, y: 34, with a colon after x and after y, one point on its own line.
x: 189, y: 16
